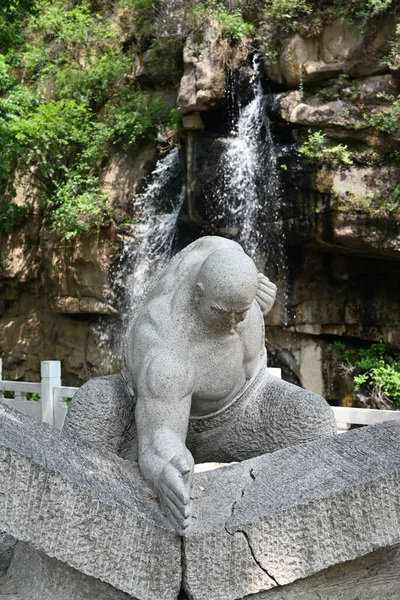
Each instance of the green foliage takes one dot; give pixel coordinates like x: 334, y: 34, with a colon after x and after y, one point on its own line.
x: 54, y: 136
x: 307, y: 17
x: 144, y: 15
x: 12, y: 16
x: 377, y: 203
x: 366, y: 9
x: 373, y: 369
x: 80, y: 100
x: 33, y: 396
x: 232, y: 25
x: 341, y: 351
x: 164, y: 61
x: 387, y: 120
x: 80, y: 207
x: 139, y: 116
x: 9, y: 216
x: 316, y: 148
x: 15, y: 103
x: 286, y: 15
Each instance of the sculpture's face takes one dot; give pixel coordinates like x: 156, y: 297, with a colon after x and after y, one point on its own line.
x: 223, y: 314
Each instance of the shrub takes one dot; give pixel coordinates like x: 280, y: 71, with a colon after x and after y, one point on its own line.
x: 139, y: 116
x: 286, y: 15
x: 80, y: 207
x: 316, y: 148
x: 370, y: 368
x: 53, y: 136
x: 81, y: 99
x: 386, y: 121
x: 9, y: 215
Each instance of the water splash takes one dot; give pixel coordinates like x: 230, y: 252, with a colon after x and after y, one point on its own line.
x: 146, y: 248
x: 248, y: 194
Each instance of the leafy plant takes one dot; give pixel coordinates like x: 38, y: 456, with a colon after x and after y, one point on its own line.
x: 139, y: 116
x: 385, y: 121
x: 80, y: 207
x: 316, y: 148
x: 231, y: 24
x: 9, y: 215
x: 370, y: 368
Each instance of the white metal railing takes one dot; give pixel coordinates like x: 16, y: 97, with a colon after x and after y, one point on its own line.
x: 50, y: 406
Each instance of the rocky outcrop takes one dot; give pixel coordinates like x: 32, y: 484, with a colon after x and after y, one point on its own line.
x: 203, y: 85
x: 340, y: 48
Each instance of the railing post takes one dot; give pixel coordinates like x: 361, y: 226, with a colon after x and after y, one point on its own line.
x: 50, y: 371
x: 1, y: 378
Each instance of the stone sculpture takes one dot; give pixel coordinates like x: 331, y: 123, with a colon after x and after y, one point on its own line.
x: 312, y: 520
x: 195, y: 368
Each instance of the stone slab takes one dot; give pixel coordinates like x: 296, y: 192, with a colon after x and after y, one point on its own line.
x: 85, y: 507
x: 288, y: 515
x: 32, y: 575
x: 375, y: 576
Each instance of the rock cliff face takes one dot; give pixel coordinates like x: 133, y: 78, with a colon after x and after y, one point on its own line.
x: 339, y: 210
x: 55, y: 291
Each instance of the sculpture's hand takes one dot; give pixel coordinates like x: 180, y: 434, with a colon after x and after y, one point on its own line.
x: 174, y: 487
x: 266, y: 293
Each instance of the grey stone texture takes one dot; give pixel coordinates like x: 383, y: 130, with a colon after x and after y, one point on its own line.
x: 308, y: 522
x: 372, y: 577
x: 291, y: 514
x: 103, y: 413
x: 7, y: 544
x: 85, y: 507
x: 34, y: 576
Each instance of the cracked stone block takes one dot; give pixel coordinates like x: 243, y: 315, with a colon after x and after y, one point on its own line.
x: 278, y: 518
x: 85, y: 507
x: 375, y: 576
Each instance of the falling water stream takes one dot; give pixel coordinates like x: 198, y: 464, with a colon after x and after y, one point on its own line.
x: 148, y: 244
x: 245, y: 199
x: 248, y: 192
x: 146, y: 247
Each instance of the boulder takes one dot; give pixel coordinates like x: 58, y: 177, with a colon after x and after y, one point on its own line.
x: 202, y: 86
x: 341, y: 47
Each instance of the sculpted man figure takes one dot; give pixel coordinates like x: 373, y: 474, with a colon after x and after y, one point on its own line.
x: 195, y: 368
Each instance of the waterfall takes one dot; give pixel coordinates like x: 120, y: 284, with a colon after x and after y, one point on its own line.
x: 146, y: 247
x: 247, y: 197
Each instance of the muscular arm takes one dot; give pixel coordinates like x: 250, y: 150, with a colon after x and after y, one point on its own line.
x: 165, y: 389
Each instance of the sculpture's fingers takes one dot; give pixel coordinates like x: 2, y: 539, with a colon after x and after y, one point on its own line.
x: 270, y: 287
x: 265, y: 296
x: 178, y: 495
x: 181, y: 513
x: 177, y: 520
x: 173, y: 485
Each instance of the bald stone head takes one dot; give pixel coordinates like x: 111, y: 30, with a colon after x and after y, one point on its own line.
x: 225, y: 288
